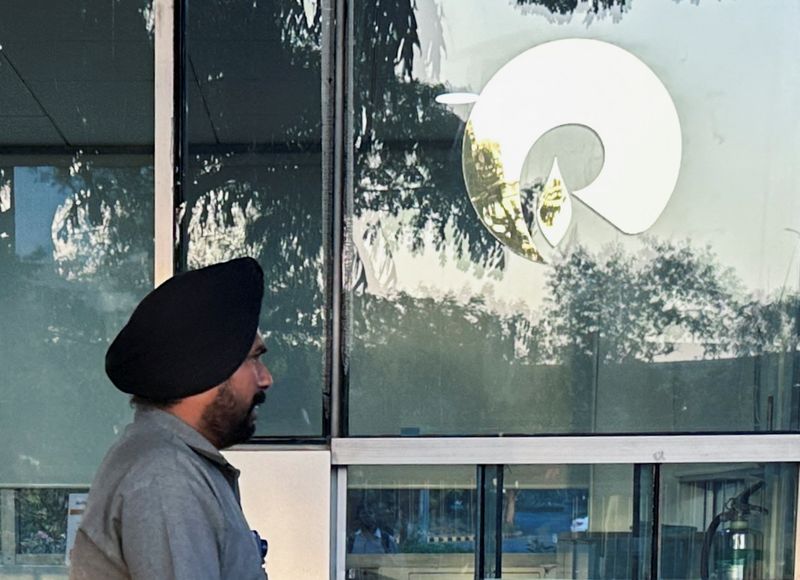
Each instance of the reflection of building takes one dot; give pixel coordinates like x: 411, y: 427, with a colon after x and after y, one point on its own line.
x: 546, y: 420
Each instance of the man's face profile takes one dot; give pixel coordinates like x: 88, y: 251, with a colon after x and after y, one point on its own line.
x: 367, y: 517
x: 230, y: 418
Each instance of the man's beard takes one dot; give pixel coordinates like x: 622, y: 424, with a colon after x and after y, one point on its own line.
x: 225, y: 423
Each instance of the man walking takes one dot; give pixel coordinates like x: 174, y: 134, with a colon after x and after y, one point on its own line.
x: 164, y: 504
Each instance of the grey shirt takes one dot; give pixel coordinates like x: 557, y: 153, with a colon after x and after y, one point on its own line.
x: 164, y: 506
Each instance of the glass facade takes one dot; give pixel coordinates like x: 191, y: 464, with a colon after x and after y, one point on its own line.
x: 477, y: 218
x: 581, y: 211
x: 253, y: 181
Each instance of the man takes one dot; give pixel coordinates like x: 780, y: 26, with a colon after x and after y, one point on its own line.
x: 369, y: 538
x: 164, y: 504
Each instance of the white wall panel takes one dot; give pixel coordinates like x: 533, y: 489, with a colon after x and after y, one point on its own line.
x: 286, y: 497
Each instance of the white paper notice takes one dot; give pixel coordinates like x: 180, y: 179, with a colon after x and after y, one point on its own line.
x: 75, y: 509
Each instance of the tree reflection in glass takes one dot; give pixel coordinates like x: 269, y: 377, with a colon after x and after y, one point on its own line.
x: 254, y: 182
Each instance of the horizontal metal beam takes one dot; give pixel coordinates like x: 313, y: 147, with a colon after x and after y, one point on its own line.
x: 265, y: 148
x: 567, y: 450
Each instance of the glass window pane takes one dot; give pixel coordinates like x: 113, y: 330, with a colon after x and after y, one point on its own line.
x: 45, y: 521
x: 409, y: 522
x: 76, y: 212
x: 727, y: 521
x: 576, y: 521
x: 646, y: 282
x: 76, y: 251
x: 254, y: 181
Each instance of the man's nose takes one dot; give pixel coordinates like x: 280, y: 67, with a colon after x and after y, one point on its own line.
x: 264, y: 377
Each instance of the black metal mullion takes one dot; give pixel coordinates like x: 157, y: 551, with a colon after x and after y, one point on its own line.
x: 328, y: 83
x: 655, y: 532
x: 180, y: 159
x: 489, y: 530
x: 644, y: 507
x: 498, y: 531
x: 336, y: 85
x: 480, y: 548
x: 636, y: 547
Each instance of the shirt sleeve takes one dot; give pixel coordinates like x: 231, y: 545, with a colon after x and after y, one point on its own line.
x: 172, y: 529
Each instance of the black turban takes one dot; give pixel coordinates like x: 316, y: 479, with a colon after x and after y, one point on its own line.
x: 189, y: 334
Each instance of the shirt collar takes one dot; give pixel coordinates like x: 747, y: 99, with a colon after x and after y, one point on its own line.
x: 185, y: 432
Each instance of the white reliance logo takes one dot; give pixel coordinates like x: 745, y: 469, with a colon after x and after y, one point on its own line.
x: 572, y: 82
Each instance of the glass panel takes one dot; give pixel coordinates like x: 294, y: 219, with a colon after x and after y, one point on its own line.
x: 39, y: 524
x: 575, y: 521
x: 254, y: 181
x: 727, y: 521
x: 77, y: 233
x: 562, y: 223
x: 76, y: 251
x: 411, y: 522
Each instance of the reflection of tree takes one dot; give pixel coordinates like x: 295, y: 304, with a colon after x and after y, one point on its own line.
x: 104, y: 226
x: 262, y: 195
x: 270, y: 207
x: 59, y: 311
x: 766, y: 327
x: 629, y: 306
x: 637, y: 306
x: 616, y: 312
x: 460, y: 358
x: 565, y: 7
x: 407, y: 147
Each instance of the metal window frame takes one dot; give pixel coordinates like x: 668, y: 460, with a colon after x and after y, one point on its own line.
x: 483, y: 452
x: 653, y: 450
x: 784, y: 448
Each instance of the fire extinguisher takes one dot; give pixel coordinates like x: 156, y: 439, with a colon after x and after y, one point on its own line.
x: 737, y: 547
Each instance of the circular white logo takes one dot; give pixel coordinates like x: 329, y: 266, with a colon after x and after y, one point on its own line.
x: 573, y: 82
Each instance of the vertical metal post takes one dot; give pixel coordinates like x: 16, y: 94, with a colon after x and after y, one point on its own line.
x: 334, y: 145
x: 643, y: 509
x: 638, y: 530
x: 328, y: 84
x: 8, y: 529
x: 339, y: 521
x: 797, y: 526
x: 489, y: 532
x: 498, y: 523
x: 340, y: 175
x: 480, y: 478
x: 180, y: 104
x: 656, y: 530
x: 164, y: 147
